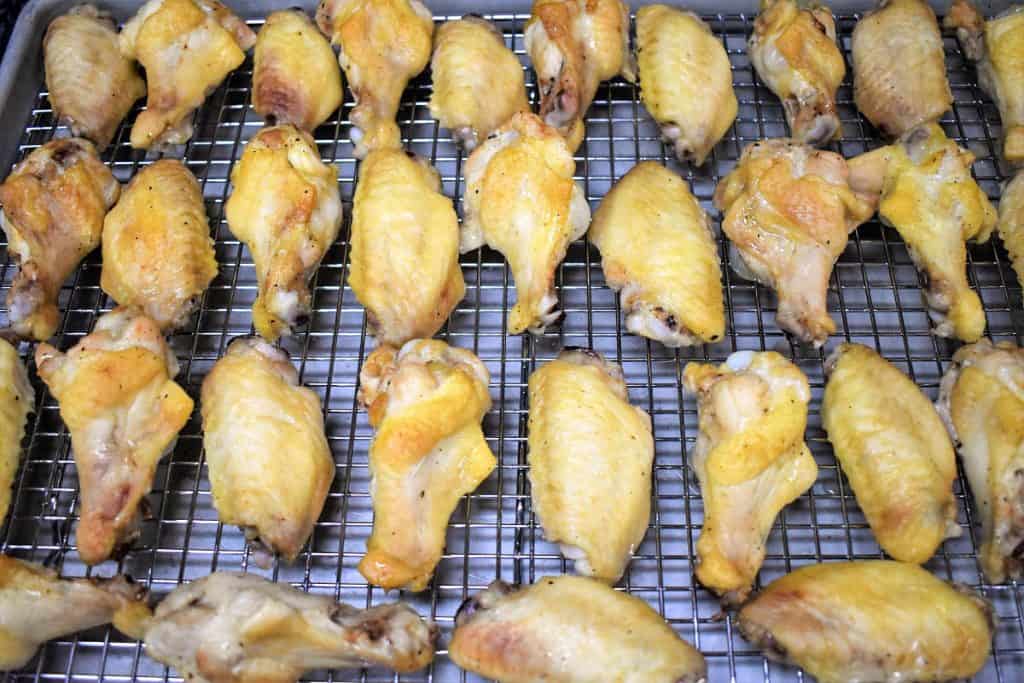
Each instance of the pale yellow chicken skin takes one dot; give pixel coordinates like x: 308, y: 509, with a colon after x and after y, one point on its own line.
x: 894, y: 451
x: 685, y: 80
x: 569, y: 629
x: 123, y: 409
x: 383, y: 44
x: 53, y: 203
x: 157, y: 251
x: 1011, y: 223
x: 478, y: 81
x: 788, y: 209
x: 404, y: 248
x: 287, y: 209
x: 425, y: 402
x: 91, y: 85
x: 295, y: 76
x: 521, y: 200
x: 874, y: 620
x: 591, y: 455
x: 658, y: 251
x: 794, y: 50
x: 269, y: 462
x: 17, y: 400
x: 187, y: 47
x: 750, y: 459
x: 981, y: 399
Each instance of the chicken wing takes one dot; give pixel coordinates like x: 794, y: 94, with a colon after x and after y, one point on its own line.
x: 120, y: 402
x: 1011, y: 222
x: 478, y: 81
x: 384, y: 43
x: 981, y: 399
x: 685, y: 80
x: 425, y: 402
x: 899, y: 67
x: 295, y: 76
x: 241, y: 628
x: 286, y: 207
x: 926, y: 192
x: 91, y: 85
x: 405, y: 248
x: 591, y: 455
x: 187, y: 47
x: 750, y: 459
x: 794, y: 50
x: 157, y: 251
x: 569, y: 629
x: 788, y: 209
x: 874, y: 620
x: 16, y: 401
x: 36, y: 606
x: 998, y: 48
x: 894, y: 451
x: 53, y: 207
x: 574, y: 46
x: 658, y: 250
x: 521, y: 199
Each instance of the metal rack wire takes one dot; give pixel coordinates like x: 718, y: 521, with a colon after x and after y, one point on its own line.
x: 874, y: 298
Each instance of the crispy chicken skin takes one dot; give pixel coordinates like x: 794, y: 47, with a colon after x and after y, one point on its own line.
x: 17, y: 400
x: 658, y: 251
x: 893, y: 449
x: 383, y: 44
x: 788, y: 209
x: 574, y: 45
x: 157, y: 251
x: 685, y: 80
x: 286, y: 207
x: 123, y: 409
x: 478, y: 81
x: 521, y: 200
x: 794, y: 50
x: 53, y: 207
x: 874, y: 620
x: 241, y: 628
x: 1011, y: 222
x: 187, y: 47
x: 425, y: 402
x: 925, y: 191
x: 981, y: 400
x: 569, y: 629
x: 750, y: 459
x: 899, y: 67
x: 295, y: 77
x: 269, y: 462
x: 591, y: 455
x: 91, y: 85
x: 405, y: 248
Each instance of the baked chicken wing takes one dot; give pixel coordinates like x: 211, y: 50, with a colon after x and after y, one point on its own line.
x: 426, y: 402
x: 16, y: 401
x: 383, y: 44
x: 157, y: 251
x: 478, y: 81
x: 658, y: 251
x: 874, y: 620
x: 187, y: 47
x: 405, y: 248
x: 91, y: 85
x: 569, y: 629
x: 788, y: 209
x: 286, y: 207
x: 123, y: 409
x: 591, y: 455
x: 1011, y: 222
x: 521, y: 199
x: 894, y: 451
x: 53, y: 207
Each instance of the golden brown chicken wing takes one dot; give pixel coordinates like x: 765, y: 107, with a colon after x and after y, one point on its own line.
x: 1011, y: 222
x: 17, y: 400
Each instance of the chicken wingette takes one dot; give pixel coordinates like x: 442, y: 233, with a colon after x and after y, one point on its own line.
x: 1011, y: 223
x: 17, y: 400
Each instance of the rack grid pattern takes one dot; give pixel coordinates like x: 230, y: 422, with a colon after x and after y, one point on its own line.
x: 874, y: 297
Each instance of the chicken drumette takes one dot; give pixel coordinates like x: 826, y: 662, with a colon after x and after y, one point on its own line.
x: 16, y: 402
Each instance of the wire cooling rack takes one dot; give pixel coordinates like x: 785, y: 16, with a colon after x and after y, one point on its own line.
x: 874, y: 297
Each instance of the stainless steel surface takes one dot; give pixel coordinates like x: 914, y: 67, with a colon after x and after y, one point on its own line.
x: 874, y: 297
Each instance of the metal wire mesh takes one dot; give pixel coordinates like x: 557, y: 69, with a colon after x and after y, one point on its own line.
x: 874, y: 297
